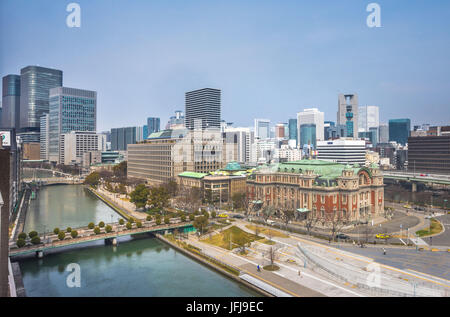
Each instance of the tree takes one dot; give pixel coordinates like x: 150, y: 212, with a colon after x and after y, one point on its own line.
x: 121, y: 189
x: 288, y: 215
x: 131, y: 220
x: 101, y: 224
x: 139, y: 196
x: 74, y: 234
x: 91, y: 225
x: 110, y: 187
x: 61, y: 235
x: 257, y: 231
x: 36, y: 240
x: 20, y: 243
x: 172, y: 187
x: 148, y: 218
x: 267, y: 212
x: 272, y: 255
x: 158, y: 197
x: 121, y: 221
x: 335, y: 222
x: 191, y: 217
x: 139, y: 224
x: 213, y: 214
x: 241, y: 241
x: 32, y: 234
x: 238, y: 200
x: 92, y: 179
x: 22, y: 235
x: 183, y: 217
x: 310, y: 222
x: 108, y: 229
x: 56, y: 230
x: 120, y: 170
x: 200, y: 223
x: 166, y: 220
x: 158, y: 220
x: 69, y: 229
x: 129, y: 225
x: 97, y: 230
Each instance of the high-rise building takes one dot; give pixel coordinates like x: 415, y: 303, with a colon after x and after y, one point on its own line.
x: 71, y: 109
x: 293, y: 129
x: 75, y: 144
x: 10, y: 101
x: 348, y: 113
x: 44, y: 136
x: 243, y: 137
x: 262, y: 128
x: 308, y: 135
x: 311, y: 116
x: 176, y: 121
x: 368, y: 117
x: 279, y: 130
x: 383, y: 133
x: 429, y: 154
x: 153, y: 125
x: 203, y: 104
x: 35, y: 85
x: 399, y: 130
x: 344, y: 151
x: 121, y: 137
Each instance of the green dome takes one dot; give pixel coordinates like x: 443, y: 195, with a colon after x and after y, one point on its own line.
x: 233, y: 166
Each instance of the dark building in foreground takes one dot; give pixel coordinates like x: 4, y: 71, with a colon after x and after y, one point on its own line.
x: 204, y: 105
x: 429, y: 154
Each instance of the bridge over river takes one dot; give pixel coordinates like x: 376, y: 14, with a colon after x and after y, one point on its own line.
x: 51, y: 241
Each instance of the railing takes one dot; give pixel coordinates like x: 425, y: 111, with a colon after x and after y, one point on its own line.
x: 389, y: 285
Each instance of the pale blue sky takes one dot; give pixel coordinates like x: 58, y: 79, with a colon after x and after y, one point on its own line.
x: 271, y: 59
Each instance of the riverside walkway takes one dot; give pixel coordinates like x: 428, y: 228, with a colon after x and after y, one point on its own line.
x: 87, y: 235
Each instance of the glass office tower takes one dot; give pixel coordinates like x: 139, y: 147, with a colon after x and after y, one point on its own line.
x: 70, y: 110
x: 399, y: 130
x: 153, y: 125
x: 204, y: 105
x: 308, y: 135
x: 292, y: 129
x: 35, y: 85
x: 10, y: 101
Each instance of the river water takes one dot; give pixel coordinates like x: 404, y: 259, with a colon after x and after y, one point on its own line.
x: 141, y: 266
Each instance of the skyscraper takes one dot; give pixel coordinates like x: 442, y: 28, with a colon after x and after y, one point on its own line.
x: 308, y: 135
x: 35, y: 85
x: 121, y: 137
x: 10, y: 101
x: 311, y: 116
x: 399, y: 130
x: 71, y: 109
x: 368, y: 117
x: 262, y: 128
x: 153, y: 125
x: 348, y: 113
x: 44, y: 132
x: 293, y: 129
x: 383, y: 133
x: 203, y: 104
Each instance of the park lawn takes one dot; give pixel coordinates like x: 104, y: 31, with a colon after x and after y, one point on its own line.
x: 267, y: 241
x: 436, y: 227
x: 267, y: 231
x: 220, y: 239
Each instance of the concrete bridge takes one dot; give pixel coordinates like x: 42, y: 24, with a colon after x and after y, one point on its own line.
x: 54, y: 172
x: 442, y: 181
x: 53, y: 180
x: 51, y: 241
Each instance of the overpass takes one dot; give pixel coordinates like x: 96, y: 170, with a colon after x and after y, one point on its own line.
x: 415, y: 178
x: 49, y: 170
x: 53, y: 180
x: 51, y: 241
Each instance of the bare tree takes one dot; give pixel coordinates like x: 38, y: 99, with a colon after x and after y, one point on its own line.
x: 257, y: 231
x: 288, y: 215
x: 335, y: 222
x: 272, y: 255
x: 267, y: 212
x: 310, y: 222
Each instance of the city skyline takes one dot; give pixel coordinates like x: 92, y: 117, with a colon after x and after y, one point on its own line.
x: 294, y: 56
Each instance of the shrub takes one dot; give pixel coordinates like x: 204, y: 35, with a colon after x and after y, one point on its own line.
x: 101, y: 224
x: 129, y: 225
x: 183, y: 218
x: 213, y: 214
x: 36, y: 240
x: 74, y: 234
x: 158, y: 221
x: 32, y: 234
x: 91, y: 225
x: 56, y: 230
x: 191, y: 217
x: 20, y: 243
x: 149, y: 218
x: 121, y: 221
x: 69, y: 230
x: 139, y: 224
x: 97, y: 230
x: 108, y: 228
x: 61, y: 235
x: 166, y: 220
x: 22, y: 236
x: 131, y: 220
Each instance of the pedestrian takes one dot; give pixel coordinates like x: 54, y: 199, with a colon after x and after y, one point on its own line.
x: 299, y: 273
x: 259, y: 270
x: 384, y: 251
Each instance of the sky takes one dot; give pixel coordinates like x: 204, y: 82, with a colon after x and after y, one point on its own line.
x: 271, y: 59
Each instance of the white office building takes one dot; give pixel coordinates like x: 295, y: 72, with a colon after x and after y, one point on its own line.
x: 368, y: 117
x: 344, y: 151
x: 76, y: 143
x: 262, y: 129
x: 311, y: 116
x: 289, y: 154
x: 244, y: 139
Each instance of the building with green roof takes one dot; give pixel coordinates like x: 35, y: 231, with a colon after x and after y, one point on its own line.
x: 327, y: 189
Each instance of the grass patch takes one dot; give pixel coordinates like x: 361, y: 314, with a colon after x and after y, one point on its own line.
x: 271, y: 267
x: 267, y: 231
x: 434, y: 228
x: 222, y: 239
x: 267, y: 241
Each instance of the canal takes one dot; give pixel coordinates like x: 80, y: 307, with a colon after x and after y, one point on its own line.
x: 423, y: 196
x: 138, y: 266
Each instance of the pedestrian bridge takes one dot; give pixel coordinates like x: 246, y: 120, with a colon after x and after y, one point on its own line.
x: 51, y: 241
